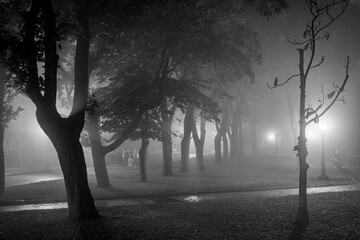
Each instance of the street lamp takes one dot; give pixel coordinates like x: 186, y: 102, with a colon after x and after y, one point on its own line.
x: 276, y: 144
x: 323, y: 174
x: 273, y: 137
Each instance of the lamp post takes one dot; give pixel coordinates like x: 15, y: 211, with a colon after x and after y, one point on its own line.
x: 323, y: 174
x: 273, y: 137
x: 276, y: 144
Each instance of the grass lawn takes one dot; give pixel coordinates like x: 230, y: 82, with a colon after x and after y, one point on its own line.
x: 261, y: 172
x: 333, y: 215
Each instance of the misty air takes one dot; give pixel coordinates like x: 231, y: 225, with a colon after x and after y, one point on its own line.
x: 174, y: 119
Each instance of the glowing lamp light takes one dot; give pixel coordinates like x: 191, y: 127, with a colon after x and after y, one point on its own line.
x: 310, y: 134
x: 323, y: 127
x: 272, y: 137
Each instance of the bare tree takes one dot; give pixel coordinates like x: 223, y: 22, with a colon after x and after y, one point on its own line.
x: 322, y: 15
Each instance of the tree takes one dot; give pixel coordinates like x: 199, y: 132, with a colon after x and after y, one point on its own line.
x: 149, y: 129
x: 36, y: 43
x: 7, y: 113
x: 322, y: 15
x: 183, y: 93
x: 7, y: 94
x: 168, y: 108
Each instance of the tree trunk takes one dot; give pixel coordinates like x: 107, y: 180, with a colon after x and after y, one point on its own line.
x: 185, y: 142
x: 225, y: 147
x: 234, y: 137
x: 166, y: 123
x: 98, y: 152
x: 199, y: 143
x: 2, y: 157
x: 64, y: 133
x: 142, y: 157
x: 167, y: 146
x: 99, y: 156
x: 71, y: 156
x: 241, y: 138
x: 302, y: 219
x: 221, y: 130
x: 253, y: 138
x: 217, y: 146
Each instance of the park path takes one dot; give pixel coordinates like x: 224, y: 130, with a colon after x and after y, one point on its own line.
x: 198, y: 198
x: 31, y: 177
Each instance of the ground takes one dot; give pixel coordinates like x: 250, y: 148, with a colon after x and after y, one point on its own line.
x: 332, y: 215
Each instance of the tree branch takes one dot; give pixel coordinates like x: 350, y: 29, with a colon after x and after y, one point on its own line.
x: 51, y: 57
x: 341, y: 89
x: 127, y: 131
x: 32, y: 88
x: 281, y: 84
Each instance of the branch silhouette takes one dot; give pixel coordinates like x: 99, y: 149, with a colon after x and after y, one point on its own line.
x: 341, y: 89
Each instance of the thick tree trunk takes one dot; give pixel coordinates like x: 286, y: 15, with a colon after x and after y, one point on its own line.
x: 185, y: 142
x: 217, y: 146
x: 71, y: 156
x: 200, y: 155
x: 2, y: 156
x: 253, y: 138
x: 98, y: 152
x: 241, y: 138
x: 225, y: 147
x: 142, y: 156
x: 64, y: 133
x: 221, y: 131
x: 302, y: 219
x: 167, y: 147
x: 234, y: 137
x: 166, y: 123
x: 99, y: 156
x: 199, y: 143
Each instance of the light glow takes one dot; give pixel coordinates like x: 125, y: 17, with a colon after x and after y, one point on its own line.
x: 272, y: 136
x: 323, y: 127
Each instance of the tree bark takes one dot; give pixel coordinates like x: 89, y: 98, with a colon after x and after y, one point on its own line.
x: 225, y: 147
x: 234, y: 136
x: 98, y: 152
x: 167, y: 153
x: 64, y: 133
x: 71, y: 156
x: 241, y: 138
x: 142, y: 157
x: 185, y: 142
x: 217, y: 146
x: 221, y: 130
x: 2, y: 156
x: 302, y: 219
x: 102, y: 177
x: 80, y: 201
x: 199, y: 142
x: 166, y: 122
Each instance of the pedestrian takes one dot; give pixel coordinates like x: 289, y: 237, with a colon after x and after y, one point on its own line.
x: 135, y: 158
x: 130, y: 158
x: 126, y: 156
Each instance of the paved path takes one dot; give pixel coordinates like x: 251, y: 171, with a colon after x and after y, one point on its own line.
x: 27, y: 178
x: 188, y: 198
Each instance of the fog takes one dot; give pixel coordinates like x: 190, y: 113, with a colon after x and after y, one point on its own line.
x: 26, y: 144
